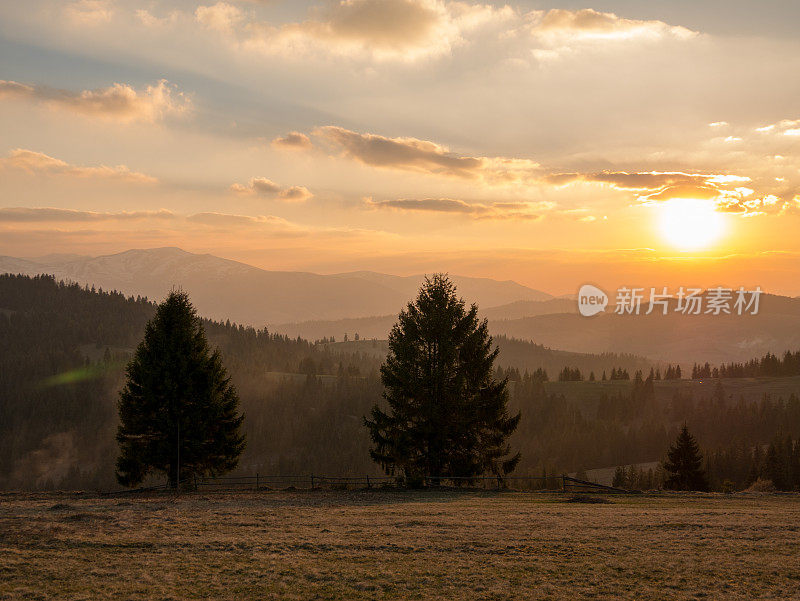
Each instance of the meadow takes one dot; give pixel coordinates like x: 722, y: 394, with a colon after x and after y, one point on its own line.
x: 387, y: 544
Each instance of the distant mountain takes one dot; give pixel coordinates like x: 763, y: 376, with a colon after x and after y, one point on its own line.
x: 673, y: 337
x: 486, y: 292
x: 225, y: 289
x: 379, y: 326
x: 520, y: 309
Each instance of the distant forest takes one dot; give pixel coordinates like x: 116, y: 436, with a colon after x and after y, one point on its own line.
x: 63, y: 349
x: 767, y: 366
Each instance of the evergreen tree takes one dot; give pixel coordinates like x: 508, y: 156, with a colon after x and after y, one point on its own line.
x: 776, y: 465
x: 620, y: 478
x: 447, y: 415
x: 684, y: 463
x: 178, y: 410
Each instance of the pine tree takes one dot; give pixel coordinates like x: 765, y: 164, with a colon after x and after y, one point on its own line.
x: 684, y: 463
x: 620, y: 478
x: 776, y: 465
x: 447, y: 415
x: 178, y: 410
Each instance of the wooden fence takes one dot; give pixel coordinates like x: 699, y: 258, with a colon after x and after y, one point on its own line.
x: 311, y: 482
x: 314, y: 482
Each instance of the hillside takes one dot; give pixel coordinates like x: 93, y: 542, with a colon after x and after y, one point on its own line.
x: 62, y: 355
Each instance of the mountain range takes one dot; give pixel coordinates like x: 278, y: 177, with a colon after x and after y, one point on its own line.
x: 315, y: 306
x: 224, y: 289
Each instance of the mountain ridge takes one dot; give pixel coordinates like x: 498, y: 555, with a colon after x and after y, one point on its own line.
x: 228, y: 289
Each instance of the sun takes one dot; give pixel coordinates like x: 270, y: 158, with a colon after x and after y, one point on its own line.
x: 690, y: 223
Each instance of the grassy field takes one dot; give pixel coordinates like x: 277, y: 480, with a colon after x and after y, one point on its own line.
x: 395, y: 544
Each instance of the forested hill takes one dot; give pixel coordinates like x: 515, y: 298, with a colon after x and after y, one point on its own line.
x: 63, y: 349
x: 62, y: 354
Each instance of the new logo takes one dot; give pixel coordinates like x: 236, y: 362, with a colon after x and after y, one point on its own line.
x: 591, y: 300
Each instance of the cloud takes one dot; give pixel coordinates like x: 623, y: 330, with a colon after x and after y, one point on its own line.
x: 588, y: 23
x: 213, y: 218
x: 558, y: 32
x: 404, y: 30
x: 501, y: 210
x: 89, y: 12
x: 726, y: 190
x: 118, y: 102
x: 769, y: 204
x: 655, y: 185
x: 683, y: 191
x: 410, y: 30
x: 264, y: 187
x: 221, y: 16
x: 293, y: 140
x: 38, y: 214
x: 785, y: 127
x: 412, y: 154
x: 38, y: 163
x: 151, y: 21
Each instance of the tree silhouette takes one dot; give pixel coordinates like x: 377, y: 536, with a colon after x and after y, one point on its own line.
x: 178, y: 410
x: 683, y: 464
x: 447, y: 414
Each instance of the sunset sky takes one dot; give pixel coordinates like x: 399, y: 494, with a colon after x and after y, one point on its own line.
x: 617, y: 142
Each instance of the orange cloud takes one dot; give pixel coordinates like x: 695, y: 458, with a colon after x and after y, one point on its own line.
x: 293, y: 140
x: 38, y: 163
x: 404, y: 30
x: 500, y: 210
x: 589, y: 23
x: 424, y: 156
x: 265, y: 187
x: 38, y: 214
x: 89, y: 12
x: 119, y: 102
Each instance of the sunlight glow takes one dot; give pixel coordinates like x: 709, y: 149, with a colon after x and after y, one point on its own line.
x: 690, y: 223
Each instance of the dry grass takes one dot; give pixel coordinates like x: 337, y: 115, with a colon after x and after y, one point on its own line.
x: 388, y: 545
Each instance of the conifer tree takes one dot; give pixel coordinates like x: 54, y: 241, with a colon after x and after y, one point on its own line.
x: 178, y: 410
x: 684, y: 464
x: 446, y: 415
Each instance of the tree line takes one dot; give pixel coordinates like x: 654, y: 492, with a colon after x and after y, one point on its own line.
x: 769, y: 365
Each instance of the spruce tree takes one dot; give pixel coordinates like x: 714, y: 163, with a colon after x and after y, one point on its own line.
x: 447, y: 415
x: 178, y: 410
x: 683, y: 464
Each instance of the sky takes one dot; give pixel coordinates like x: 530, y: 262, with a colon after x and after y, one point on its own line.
x: 618, y: 142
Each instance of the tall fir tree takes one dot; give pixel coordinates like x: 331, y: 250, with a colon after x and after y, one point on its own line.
x: 447, y: 414
x: 684, y: 464
x: 179, y: 412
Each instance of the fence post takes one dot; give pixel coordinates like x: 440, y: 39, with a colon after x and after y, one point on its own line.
x: 368, y: 485
x: 312, y: 481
